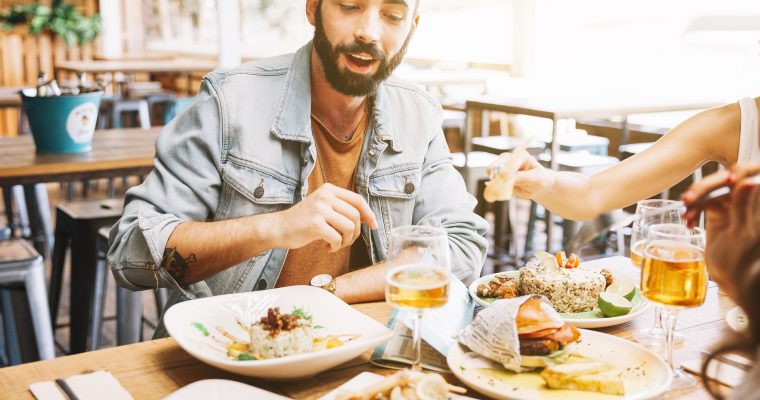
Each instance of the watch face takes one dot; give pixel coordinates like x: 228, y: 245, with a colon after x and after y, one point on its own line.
x: 321, y: 280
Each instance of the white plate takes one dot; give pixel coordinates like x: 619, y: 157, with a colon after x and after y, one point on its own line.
x: 645, y: 374
x: 366, y: 379
x: 221, y: 389
x: 356, y: 383
x: 737, y: 320
x: 332, y: 314
x: 590, y: 319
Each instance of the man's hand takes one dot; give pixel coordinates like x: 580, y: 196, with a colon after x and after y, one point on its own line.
x: 330, y: 213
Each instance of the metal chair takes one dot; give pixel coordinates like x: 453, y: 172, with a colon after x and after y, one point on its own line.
x: 20, y: 264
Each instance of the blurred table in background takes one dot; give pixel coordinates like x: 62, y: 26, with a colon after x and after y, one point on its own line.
x: 559, y: 108
x: 115, y: 153
x: 176, y: 65
x: 9, y: 97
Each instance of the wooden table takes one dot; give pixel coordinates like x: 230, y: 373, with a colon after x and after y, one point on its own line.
x: 155, y: 368
x: 9, y: 97
x: 558, y: 108
x: 177, y: 65
x: 117, y: 152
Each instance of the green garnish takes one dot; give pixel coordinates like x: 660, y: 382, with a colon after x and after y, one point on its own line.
x: 199, y: 326
x: 246, y: 357
x: 301, y: 313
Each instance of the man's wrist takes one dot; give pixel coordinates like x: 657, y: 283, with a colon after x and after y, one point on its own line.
x: 266, y: 229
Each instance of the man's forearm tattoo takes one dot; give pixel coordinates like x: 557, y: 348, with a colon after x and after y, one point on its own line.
x: 177, y: 265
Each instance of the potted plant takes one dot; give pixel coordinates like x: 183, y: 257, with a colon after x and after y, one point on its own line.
x: 59, y: 123
x: 61, y: 19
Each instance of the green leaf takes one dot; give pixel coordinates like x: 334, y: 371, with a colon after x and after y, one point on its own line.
x: 199, y: 326
x: 63, y: 20
x: 301, y: 313
x: 246, y: 357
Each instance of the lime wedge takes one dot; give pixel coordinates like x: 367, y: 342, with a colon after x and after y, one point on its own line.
x: 623, y: 287
x: 613, y: 305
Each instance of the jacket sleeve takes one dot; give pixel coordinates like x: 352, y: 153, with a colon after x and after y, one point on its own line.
x: 444, y: 201
x: 183, y: 185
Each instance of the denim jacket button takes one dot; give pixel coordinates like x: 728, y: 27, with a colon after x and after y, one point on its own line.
x: 409, y: 188
x: 261, y: 284
x: 258, y: 192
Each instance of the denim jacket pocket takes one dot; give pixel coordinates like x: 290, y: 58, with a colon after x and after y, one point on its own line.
x: 393, y: 192
x: 250, y: 189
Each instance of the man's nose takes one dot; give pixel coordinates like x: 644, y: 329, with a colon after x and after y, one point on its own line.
x: 370, y: 27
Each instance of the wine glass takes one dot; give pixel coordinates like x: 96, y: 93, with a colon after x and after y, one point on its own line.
x: 674, y: 275
x: 650, y: 212
x: 418, y: 275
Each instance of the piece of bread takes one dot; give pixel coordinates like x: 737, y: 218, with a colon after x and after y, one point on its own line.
x: 502, y: 180
x: 537, y: 314
x: 591, y: 377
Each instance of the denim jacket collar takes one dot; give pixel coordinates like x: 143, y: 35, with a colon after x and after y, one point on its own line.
x: 293, y: 120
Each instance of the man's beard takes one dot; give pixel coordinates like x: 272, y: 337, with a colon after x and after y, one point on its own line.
x: 345, y: 81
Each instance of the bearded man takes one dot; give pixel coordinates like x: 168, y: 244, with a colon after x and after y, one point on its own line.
x: 279, y: 165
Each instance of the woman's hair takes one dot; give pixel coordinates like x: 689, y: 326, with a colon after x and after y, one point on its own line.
x: 748, y: 287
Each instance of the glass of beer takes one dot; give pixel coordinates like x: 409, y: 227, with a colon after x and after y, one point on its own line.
x: 650, y: 212
x: 418, y: 275
x: 674, y: 275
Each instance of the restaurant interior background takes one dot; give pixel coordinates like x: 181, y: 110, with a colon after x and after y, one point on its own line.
x: 585, y: 51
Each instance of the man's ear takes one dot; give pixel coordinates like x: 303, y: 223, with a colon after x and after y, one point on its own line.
x: 415, y: 22
x: 311, y: 11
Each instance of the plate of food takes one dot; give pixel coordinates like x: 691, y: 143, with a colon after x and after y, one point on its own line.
x: 404, y: 385
x: 529, y: 352
x: 280, y: 334
x: 586, y: 296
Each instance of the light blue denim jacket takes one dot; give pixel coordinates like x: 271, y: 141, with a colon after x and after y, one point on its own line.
x: 250, y: 127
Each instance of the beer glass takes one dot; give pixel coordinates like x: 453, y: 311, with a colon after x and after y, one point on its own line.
x: 674, y: 275
x: 650, y: 212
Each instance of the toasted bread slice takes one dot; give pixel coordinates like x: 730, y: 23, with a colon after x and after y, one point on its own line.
x: 592, y: 377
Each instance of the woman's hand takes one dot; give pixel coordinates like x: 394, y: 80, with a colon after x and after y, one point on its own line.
x: 531, y: 178
x: 732, y: 222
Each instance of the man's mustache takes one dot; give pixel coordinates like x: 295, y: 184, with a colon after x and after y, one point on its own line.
x: 359, y: 47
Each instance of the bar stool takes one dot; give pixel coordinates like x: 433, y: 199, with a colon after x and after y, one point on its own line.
x: 475, y: 176
x: 21, y: 264
x: 128, y: 303
x: 77, y: 225
x: 581, y: 162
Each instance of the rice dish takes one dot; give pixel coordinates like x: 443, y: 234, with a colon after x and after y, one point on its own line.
x: 285, y: 343
x: 569, y: 290
x: 279, y: 335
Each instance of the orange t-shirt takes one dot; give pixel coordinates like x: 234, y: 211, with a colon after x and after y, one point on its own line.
x: 336, y: 163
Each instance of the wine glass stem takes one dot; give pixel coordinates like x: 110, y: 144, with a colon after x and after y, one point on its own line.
x: 658, y: 317
x: 669, y: 315
x: 416, y: 341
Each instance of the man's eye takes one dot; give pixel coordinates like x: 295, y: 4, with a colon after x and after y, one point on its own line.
x: 394, y: 17
x: 348, y: 7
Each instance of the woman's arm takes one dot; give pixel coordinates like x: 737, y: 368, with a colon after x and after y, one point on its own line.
x: 712, y: 135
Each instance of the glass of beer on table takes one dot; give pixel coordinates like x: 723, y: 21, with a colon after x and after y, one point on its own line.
x: 650, y: 212
x: 674, y: 275
x: 418, y: 275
